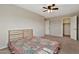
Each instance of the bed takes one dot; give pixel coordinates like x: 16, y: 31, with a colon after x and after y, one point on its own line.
x: 23, y: 42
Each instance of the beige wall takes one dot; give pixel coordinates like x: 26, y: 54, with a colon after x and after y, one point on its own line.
x: 66, y: 20
x: 12, y: 17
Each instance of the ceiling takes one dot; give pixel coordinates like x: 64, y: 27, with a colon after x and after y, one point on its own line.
x: 64, y: 9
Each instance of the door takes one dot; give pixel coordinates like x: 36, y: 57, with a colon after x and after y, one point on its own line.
x: 47, y: 27
x: 73, y: 27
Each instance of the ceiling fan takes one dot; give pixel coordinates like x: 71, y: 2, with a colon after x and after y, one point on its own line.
x: 50, y: 8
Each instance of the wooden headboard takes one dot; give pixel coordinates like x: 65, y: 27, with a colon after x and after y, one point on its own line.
x: 20, y: 34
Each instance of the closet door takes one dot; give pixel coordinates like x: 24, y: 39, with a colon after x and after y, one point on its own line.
x: 73, y: 27
x: 47, y: 27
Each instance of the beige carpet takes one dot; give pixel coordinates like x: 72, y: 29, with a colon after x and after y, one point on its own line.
x: 68, y: 46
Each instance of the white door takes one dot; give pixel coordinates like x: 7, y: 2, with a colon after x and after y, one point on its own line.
x: 73, y: 27
x: 47, y: 27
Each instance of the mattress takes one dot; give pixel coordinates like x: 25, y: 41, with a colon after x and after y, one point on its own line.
x: 34, y: 46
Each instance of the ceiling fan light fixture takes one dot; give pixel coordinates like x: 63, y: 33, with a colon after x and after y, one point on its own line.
x: 50, y: 8
x: 49, y: 11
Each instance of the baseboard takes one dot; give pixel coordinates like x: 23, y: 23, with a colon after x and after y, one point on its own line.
x: 67, y: 35
x: 54, y: 36
x: 3, y: 48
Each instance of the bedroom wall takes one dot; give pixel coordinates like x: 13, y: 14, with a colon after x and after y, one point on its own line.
x: 13, y: 17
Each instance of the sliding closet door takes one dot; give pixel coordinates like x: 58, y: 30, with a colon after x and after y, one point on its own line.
x: 47, y: 27
x: 73, y: 27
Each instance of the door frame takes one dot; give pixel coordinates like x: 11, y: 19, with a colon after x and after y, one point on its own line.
x: 77, y: 28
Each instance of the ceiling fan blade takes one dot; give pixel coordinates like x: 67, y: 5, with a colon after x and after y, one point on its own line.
x: 44, y: 10
x: 55, y: 9
x: 53, y: 5
x: 44, y: 7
